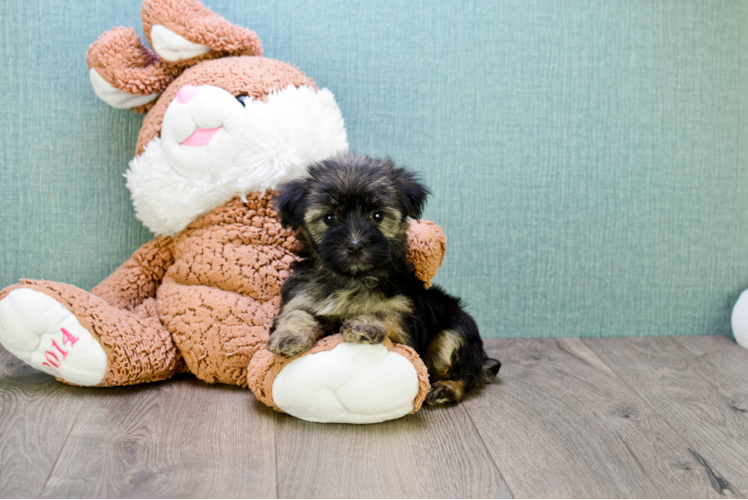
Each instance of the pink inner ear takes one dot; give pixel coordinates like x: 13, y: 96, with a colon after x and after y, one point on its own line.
x: 200, y: 137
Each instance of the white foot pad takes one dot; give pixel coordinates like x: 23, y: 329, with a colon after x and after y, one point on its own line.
x: 352, y: 383
x: 41, y: 332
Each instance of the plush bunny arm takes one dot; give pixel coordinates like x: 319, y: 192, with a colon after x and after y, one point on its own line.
x: 139, y: 277
x: 427, y: 247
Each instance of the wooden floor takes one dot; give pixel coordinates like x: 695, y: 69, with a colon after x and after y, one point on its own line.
x: 624, y: 417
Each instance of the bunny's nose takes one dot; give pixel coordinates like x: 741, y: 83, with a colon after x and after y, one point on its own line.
x: 187, y: 93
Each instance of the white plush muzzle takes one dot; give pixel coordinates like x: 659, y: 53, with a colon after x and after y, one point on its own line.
x: 213, y: 148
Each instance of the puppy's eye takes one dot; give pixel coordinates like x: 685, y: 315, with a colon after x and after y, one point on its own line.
x: 330, y: 218
x: 377, y: 216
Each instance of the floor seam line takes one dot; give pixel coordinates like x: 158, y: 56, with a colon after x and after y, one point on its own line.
x: 275, y: 448
x: 62, y: 448
x: 501, y: 474
x: 663, y: 417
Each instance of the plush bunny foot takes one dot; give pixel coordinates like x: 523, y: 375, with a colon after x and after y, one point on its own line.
x: 41, y: 332
x: 343, y: 382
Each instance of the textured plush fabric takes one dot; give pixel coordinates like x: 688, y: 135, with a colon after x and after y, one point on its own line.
x: 428, y: 246
x: 587, y: 159
x: 220, y: 296
x: 139, y: 276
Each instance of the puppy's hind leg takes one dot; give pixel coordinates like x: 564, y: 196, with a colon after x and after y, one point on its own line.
x: 457, y: 362
x: 491, y: 368
x: 440, y: 359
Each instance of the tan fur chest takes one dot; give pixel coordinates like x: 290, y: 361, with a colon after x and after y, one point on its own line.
x: 352, y: 302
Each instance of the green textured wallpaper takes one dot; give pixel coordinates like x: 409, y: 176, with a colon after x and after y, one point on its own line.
x: 587, y: 158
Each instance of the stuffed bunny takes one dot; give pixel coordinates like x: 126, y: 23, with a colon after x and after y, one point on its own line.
x: 224, y: 127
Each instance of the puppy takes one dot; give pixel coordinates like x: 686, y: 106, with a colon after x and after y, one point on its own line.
x: 351, y: 216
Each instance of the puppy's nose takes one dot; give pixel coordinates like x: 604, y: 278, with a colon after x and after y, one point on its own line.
x: 354, y: 247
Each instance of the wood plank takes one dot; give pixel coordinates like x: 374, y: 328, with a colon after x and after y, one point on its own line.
x: 434, y: 453
x: 178, y: 438
x: 562, y: 424
x: 699, y: 385
x: 36, y: 415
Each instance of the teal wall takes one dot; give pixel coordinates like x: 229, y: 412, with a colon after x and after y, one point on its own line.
x: 587, y: 158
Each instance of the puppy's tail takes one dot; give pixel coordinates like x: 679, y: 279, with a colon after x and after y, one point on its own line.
x: 490, y: 369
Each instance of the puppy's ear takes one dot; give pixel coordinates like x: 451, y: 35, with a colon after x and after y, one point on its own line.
x: 412, y: 192
x: 291, y: 203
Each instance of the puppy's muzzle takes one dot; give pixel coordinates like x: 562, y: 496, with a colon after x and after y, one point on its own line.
x: 354, y: 247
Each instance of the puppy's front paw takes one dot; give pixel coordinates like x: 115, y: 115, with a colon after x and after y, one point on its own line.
x: 289, y: 343
x: 363, y: 330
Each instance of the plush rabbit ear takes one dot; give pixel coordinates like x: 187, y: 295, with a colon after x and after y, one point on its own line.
x: 124, y: 73
x: 181, y: 31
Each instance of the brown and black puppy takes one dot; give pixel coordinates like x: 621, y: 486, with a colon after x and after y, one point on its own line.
x: 351, y: 214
